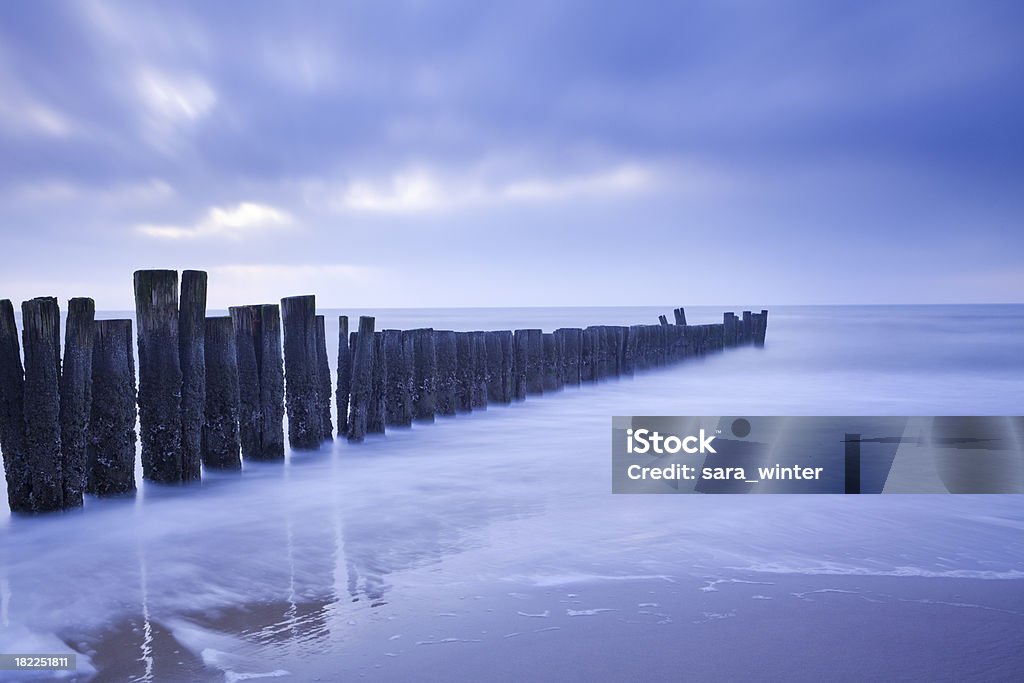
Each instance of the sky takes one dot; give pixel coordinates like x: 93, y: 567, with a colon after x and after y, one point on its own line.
x: 537, y: 152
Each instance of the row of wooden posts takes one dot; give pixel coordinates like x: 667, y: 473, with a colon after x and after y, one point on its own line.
x: 212, y: 390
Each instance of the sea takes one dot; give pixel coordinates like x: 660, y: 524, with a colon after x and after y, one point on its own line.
x: 489, y: 546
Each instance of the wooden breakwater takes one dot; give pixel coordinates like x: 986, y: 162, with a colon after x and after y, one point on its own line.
x: 213, y: 392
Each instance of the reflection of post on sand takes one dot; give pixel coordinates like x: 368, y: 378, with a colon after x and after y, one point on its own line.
x: 307, y: 568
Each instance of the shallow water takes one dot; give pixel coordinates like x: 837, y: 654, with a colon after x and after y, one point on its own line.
x: 489, y: 545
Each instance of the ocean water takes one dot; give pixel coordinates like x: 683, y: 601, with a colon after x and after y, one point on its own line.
x: 488, y: 546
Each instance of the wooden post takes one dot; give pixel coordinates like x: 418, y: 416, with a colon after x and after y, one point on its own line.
x: 301, y: 378
x: 464, y: 372
x: 398, y: 380
x: 40, y: 317
x: 12, y: 413
x: 344, y: 375
x: 424, y: 364
x: 499, y: 366
x: 478, y: 354
x: 552, y: 362
x: 446, y: 347
x: 76, y: 398
x: 191, y: 336
x: 220, y: 436
x: 598, y: 362
x: 746, y: 328
x: 629, y: 350
x: 534, y: 362
x: 588, y: 364
x: 111, y: 447
x: 619, y: 334
x: 376, y: 414
x: 323, y: 371
x: 362, y: 379
x: 762, y: 328
x: 260, y: 380
x: 520, y: 361
x: 680, y: 315
x: 717, y: 336
x: 156, y: 310
x: 571, y: 338
x: 729, y: 325
x: 852, y: 463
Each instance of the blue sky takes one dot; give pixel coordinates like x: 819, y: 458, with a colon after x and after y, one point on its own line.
x: 530, y: 153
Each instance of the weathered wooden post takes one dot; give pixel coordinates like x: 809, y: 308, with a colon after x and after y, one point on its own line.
x: 535, y: 362
x: 344, y: 375
x: 362, y: 379
x: 220, y: 435
x: 301, y: 378
x: 520, y: 361
x: 260, y: 380
x: 680, y: 315
x: 156, y: 310
x: 717, y: 335
x: 851, y: 462
x: 111, y: 447
x: 376, y: 414
x: 499, y: 366
x: 424, y: 364
x: 597, y: 362
x: 323, y: 370
x: 588, y: 364
x: 398, y: 380
x: 762, y: 327
x: 478, y: 355
x: 40, y: 317
x: 662, y: 320
x: 746, y: 328
x: 552, y: 362
x: 464, y: 372
x: 571, y: 338
x: 12, y: 413
x: 191, y: 338
x: 76, y: 398
x: 729, y: 325
x: 619, y: 334
x: 610, y: 351
x: 446, y: 347
x: 629, y: 350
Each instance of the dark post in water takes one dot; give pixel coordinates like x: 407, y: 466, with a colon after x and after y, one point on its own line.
x: 156, y: 310
x: 40, y: 320
x: 344, y: 375
x: 424, y: 364
x: 220, y: 438
x: 298, y: 314
x: 260, y: 380
x: 191, y: 335
x: 12, y: 413
x: 76, y: 398
x: 111, y: 451
x: 323, y: 370
x: 362, y: 378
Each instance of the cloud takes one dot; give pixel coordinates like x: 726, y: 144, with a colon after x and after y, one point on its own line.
x: 425, y: 190
x: 234, y: 222
x: 172, y: 104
